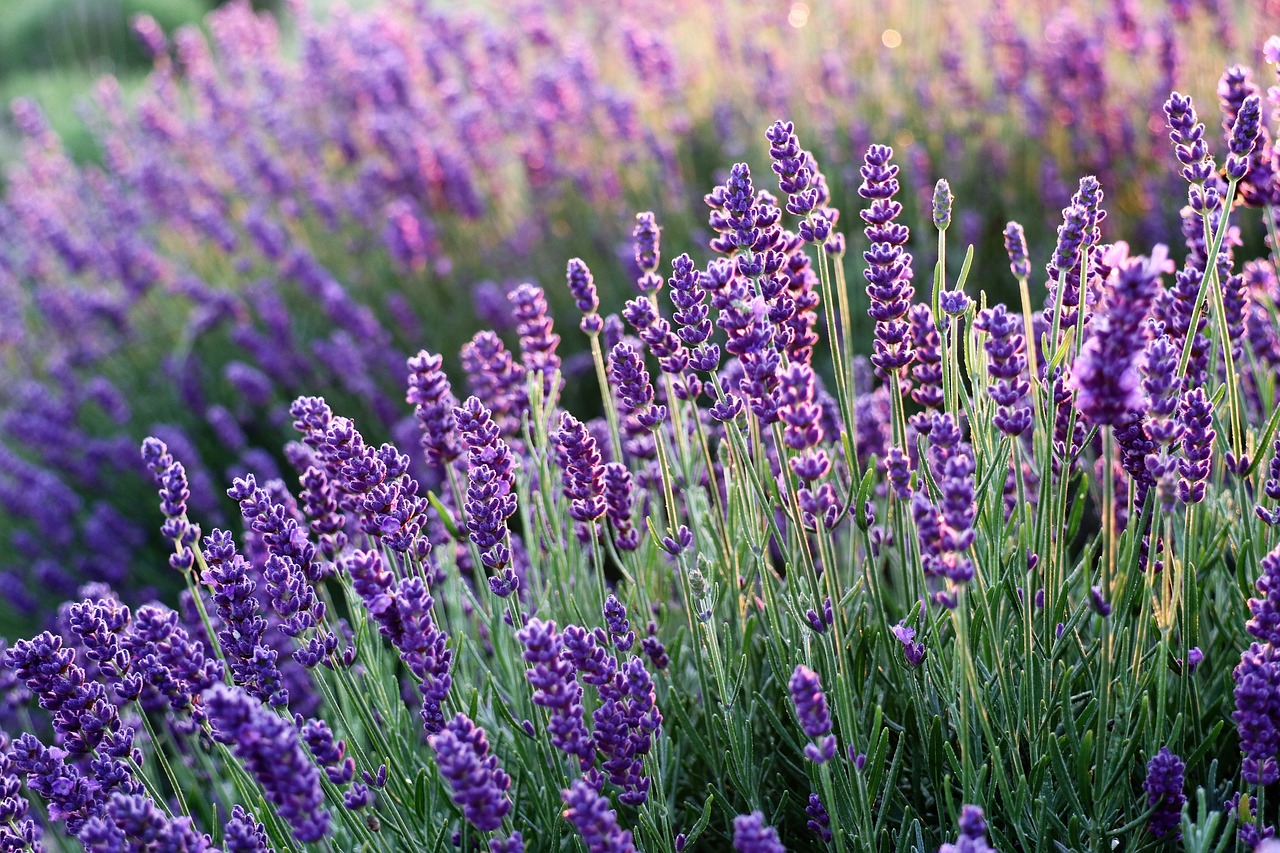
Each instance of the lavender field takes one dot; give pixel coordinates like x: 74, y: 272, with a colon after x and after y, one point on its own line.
x: 615, y: 426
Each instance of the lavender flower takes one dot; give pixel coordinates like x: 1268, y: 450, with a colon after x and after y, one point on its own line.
x: 244, y: 834
x: 802, y: 417
x: 595, y: 822
x: 1015, y: 245
x: 172, y: 479
x: 1007, y: 364
x: 1189, y: 145
x: 752, y: 835
x: 942, y: 199
x: 1257, y: 714
x: 692, y: 315
x: 269, y: 750
x: 811, y: 708
x: 819, y: 821
x: 491, y: 497
x: 1164, y: 794
x: 889, y: 272
x: 1162, y: 426
x: 240, y: 635
x: 537, y: 340
x: 555, y: 689
x: 973, y: 833
x: 926, y: 367
x: 17, y: 831
x: 1196, y: 414
x: 615, y: 617
x: 402, y: 611
x: 913, y: 651
x: 479, y: 785
x: 583, y: 473
x: 433, y: 405
x: 790, y: 163
x: 647, y: 234
x: 634, y: 391
x: 1244, y: 136
x: 583, y: 289
x: 496, y: 380
x: 618, y: 505
x: 1105, y: 375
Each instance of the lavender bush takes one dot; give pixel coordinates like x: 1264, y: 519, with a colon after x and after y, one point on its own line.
x: 756, y: 563
x: 286, y: 211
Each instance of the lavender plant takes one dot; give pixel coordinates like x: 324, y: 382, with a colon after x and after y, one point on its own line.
x: 1015, y: 573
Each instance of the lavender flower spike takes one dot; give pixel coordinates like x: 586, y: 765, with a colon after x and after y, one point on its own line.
x: 589, y: 812
x: 751, y: 835
x: 1164, y: 793
x: 491, y: 497
x: 973, y: 833
x: 269, y: 749
x: 888, y: 272
x: 811, y: 708
x: 479, y: 784
x: 1105, y: 374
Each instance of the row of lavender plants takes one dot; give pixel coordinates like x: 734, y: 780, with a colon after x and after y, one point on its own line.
x: 1011, y: 582
x: 283, y: 214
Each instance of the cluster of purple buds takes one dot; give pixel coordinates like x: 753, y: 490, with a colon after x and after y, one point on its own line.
x: 973, y: 833
x: 692, y: 315
x: 1196, y: 414
x: 656, y: 332
x: 1007, y: 364
x: 17, y: 831
x: 1015, y: 245
x: 268, y: 748
x: 926, y: 367
x: 618, y: 485
x: 647, y: 236
x: 744, y: 221
x: 555, y: 688
x: 615, y: 618
x: 240, y: 633
x: 1163, y: 785
x: 588, y: 810
x: 1244, y: 136
x: 1192, y: 150
x: 433, y: 404
x: 583, y: 289
x: 806, y: 189
x: 373, y: 483
x: 479, y: 785
x: 819, y: 822
x: 582, y: 470
x: 889, y: 266
x: 1105, y: 373
x: 497, y: 380
x: 811, y: 708
x: 174, y: 492
x: 1162, y: 426
x: 635, y: 393
x: 1257, y: 678
x: 291, y: 565
x: 752, y: 835
x: 243, y: 833
x: 538, y: 341
x: 946, y: 531
x: 401, y: 608
x: 802, y: 432
x: 491, y: 496
x: 1271, y: 487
